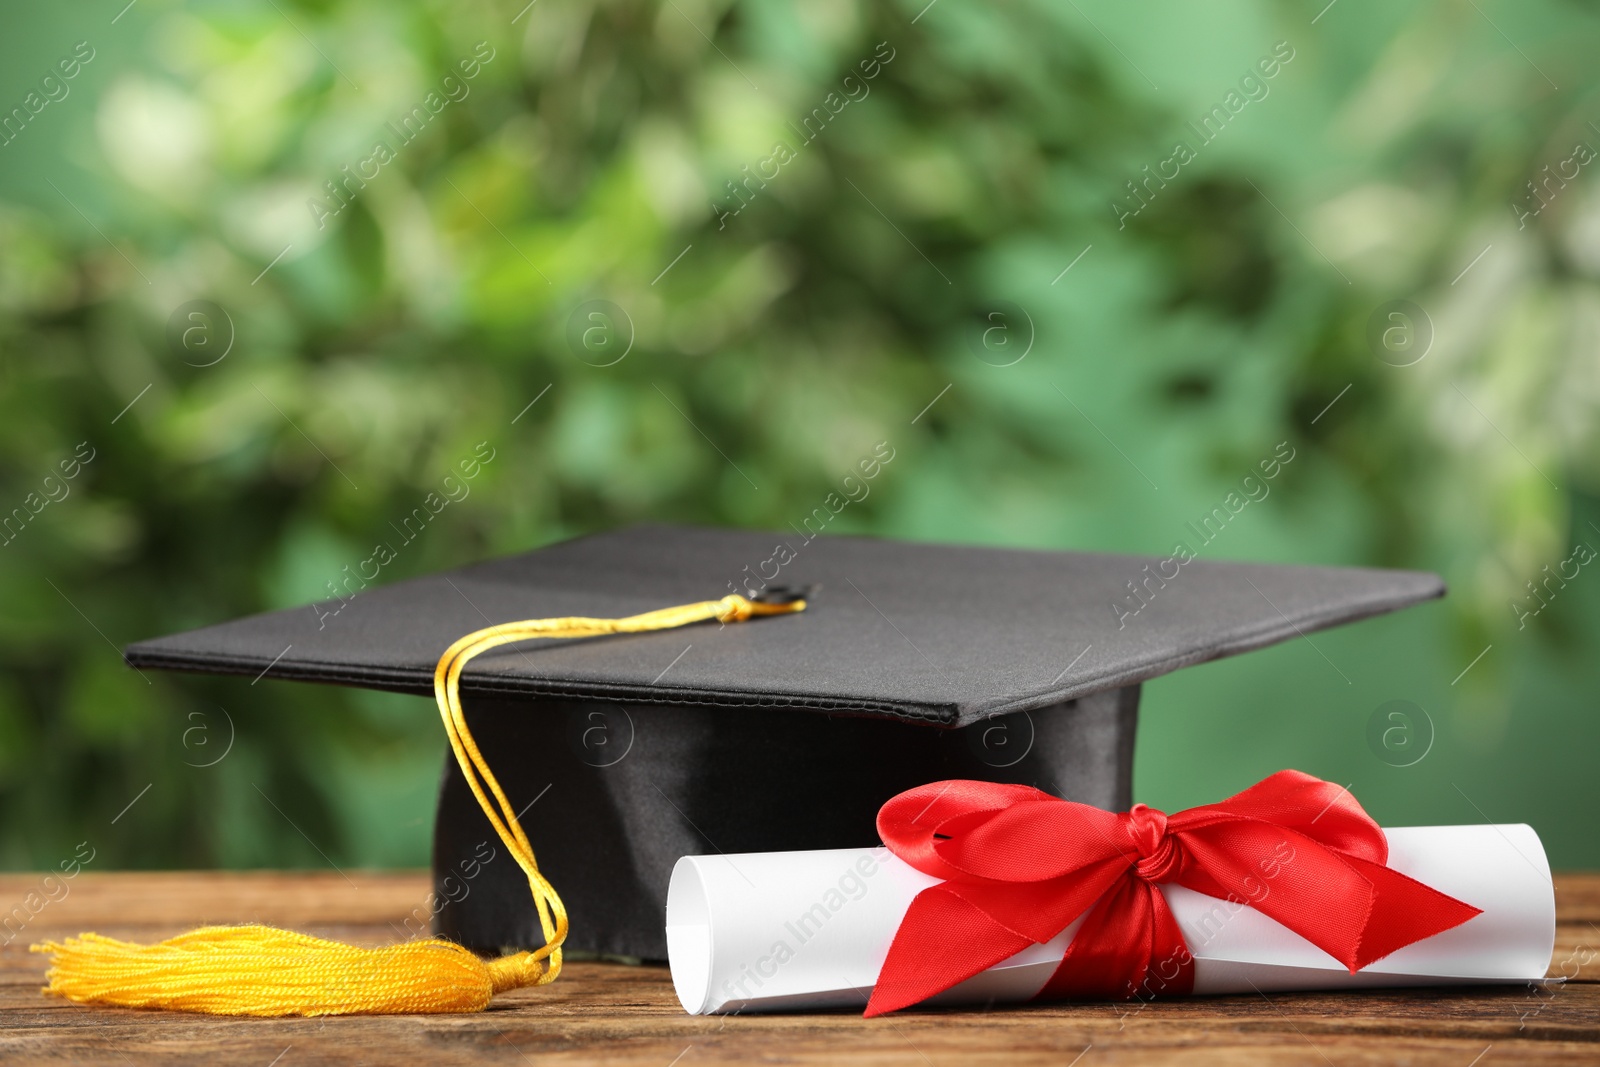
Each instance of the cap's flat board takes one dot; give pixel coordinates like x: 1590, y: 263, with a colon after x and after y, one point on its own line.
x: 931, y: 633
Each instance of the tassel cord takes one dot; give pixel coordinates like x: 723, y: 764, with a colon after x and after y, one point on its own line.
x: 259, y: 970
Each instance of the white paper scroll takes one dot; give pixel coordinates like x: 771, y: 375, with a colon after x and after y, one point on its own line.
x: 782, y: 931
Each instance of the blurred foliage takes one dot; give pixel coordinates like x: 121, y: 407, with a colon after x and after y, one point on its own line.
x: 590, y: 158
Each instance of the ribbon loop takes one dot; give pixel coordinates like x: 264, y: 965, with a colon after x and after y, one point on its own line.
x: 1018, y: 866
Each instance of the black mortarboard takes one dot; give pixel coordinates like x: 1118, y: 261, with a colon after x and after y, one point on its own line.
x: 912, y: 663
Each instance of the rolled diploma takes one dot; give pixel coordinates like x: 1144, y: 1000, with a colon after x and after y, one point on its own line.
x: 782, y: 931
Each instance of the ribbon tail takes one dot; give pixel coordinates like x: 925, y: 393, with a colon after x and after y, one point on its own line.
x: 918, y: 967
x: 1129, y: 946
x: 1404, y: 911
x: 1356, y: 910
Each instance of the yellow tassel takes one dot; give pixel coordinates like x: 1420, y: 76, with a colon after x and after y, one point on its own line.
x: 259, y: 970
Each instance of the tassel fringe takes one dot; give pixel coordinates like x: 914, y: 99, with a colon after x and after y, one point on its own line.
x: 259, y: 970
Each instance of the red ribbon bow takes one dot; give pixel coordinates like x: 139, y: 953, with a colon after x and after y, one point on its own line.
x: 1019, y: 865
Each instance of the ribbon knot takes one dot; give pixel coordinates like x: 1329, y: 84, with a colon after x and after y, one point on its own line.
x: 1159, y: 856
x: 1018, y: 866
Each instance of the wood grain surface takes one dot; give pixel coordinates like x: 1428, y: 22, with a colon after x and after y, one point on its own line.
x: 603, y: 1013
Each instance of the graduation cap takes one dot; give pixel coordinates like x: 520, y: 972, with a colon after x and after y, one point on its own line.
x: 911, y: 663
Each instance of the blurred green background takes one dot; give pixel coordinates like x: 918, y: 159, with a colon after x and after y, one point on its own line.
x: 919, y: 241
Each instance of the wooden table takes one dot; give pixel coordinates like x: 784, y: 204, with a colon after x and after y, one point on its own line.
x: 602, y: 1013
